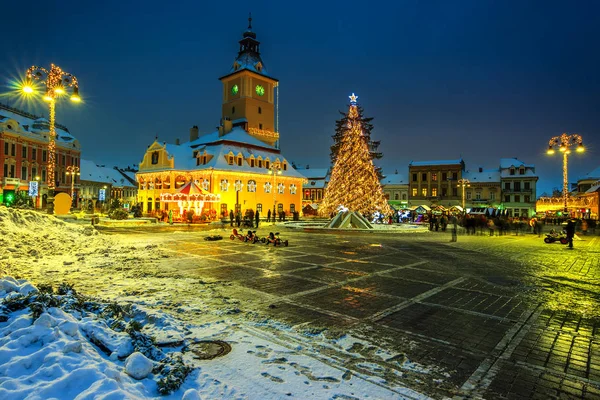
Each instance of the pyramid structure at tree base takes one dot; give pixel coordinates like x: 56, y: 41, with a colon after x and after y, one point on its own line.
x: 349, y: 219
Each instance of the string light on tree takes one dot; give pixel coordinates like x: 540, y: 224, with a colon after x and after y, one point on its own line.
x: 354, y: 183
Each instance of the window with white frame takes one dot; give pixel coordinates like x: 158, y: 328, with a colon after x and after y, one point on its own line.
x: 268, y: 187
x: 238, y: 185
x: 205, y: 184
x: 224, y: 185
x: 280, y: 188
x: 292, y: 188
x: 492, y: 196
x: 252, y: 186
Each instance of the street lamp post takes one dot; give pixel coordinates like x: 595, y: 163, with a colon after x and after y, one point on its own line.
x: 275, y: 169
x: 57, y: 83
x: 464, y: 183
x: 73, y: 171
x: 37, y: 197
x: 564, y: 143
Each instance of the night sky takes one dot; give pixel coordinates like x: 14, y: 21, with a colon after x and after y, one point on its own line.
x: 480, y: 79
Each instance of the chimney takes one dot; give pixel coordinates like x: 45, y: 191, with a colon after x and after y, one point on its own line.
x: 177, y: 141
x: 480, y: 169
x: 193, y: 133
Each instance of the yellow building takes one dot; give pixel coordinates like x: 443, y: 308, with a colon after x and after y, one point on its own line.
x: 241, y: 161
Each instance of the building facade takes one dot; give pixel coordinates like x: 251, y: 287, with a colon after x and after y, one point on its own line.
x: 434, y: 183
x: 395, y: 188
x: 24, y: 154
x: 483, y: 190
x: 99, y: 185
x: 240, y: 162
x: 518, y: 181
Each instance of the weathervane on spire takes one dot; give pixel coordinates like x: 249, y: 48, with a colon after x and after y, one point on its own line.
x: 249, y: 21
x: 353, y: 98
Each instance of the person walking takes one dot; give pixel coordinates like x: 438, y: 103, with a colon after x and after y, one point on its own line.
x: 570, y: 230
x: 238, y: 218
x: 231, y: 217
x: 454, y: 223
x: 269, y: 215
x: 170, y: 217
x: 257, y: 218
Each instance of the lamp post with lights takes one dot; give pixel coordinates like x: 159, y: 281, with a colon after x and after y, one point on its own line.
x: 57, y: 84
x: 564, y: 143
x: 73, y: 170
x: 464, y: 183
x: 275, y: 169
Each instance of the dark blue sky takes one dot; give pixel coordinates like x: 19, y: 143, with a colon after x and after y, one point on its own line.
x: 480, y: 79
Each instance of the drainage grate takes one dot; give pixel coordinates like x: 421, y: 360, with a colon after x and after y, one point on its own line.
x: 209, y: 349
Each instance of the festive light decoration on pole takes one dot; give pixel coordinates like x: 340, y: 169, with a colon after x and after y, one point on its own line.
x: 56, y: 81
x: 354, y: 184
x: 564, y: 143
x: 464, y: 183
x: 73, y: 171
x: 274, y: 169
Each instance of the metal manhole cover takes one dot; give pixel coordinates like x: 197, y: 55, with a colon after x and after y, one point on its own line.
x: 209, y: 349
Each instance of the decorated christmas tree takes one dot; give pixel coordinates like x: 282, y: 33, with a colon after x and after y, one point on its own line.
x: 341, y: 127
x: 354, y: 184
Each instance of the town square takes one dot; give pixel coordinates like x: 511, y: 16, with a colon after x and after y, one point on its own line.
x: 418, y: 221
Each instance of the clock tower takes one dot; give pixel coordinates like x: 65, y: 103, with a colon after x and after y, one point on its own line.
x: 249, y: 93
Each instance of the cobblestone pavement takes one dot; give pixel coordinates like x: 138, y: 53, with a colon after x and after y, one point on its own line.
x: 504, y: 316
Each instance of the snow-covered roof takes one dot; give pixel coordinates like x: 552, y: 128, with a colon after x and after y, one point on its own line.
x: 394, y: 179
x: 314, y: 173
x: 435, y: 162
x: 490, y: 175
x: 34, y: 126
x: 513, y: 162
x: 91, y: 172
x: 237, y: 134
x: 595, y: 174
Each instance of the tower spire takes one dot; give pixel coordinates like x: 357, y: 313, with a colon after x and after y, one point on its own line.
x: 249, y: 21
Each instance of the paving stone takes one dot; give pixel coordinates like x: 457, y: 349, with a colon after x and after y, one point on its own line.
x: 393, y: 286
x: 280, y: 285
x: 422, y: 275
x: 329, y: 275
x: 349, y: 300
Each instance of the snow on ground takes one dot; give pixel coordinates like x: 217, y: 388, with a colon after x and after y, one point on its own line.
x: 72, y: 344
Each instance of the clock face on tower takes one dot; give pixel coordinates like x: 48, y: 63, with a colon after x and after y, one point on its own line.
x: 260, y: 90
x: 234, y: 89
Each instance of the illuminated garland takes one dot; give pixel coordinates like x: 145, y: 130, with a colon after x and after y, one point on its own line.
x: 354, y: 182
x: 57, y: 81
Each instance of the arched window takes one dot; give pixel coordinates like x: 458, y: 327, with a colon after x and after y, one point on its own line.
x: 224, y: 185
x: 403, y: 196
x: 252, y: 186
x: 268, y: 187
x: 179, y: 181
x: 205, y: 184
x: 396, y: 196
x: 280, y: 188
x: 238, y: 185
x: 292, y: 188
x: 157, y: 183
x: 155, y: 157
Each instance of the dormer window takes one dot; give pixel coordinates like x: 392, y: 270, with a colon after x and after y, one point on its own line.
x: 230, y: 160
x: 252, y: 162
x: 521, y: 171
x: 236, y: 66
x: 258, y: 66
x: 239, y: 161
x: 260, y: 164
x: 512, y: 171
x: 285, y: 166
x: 267, y: 164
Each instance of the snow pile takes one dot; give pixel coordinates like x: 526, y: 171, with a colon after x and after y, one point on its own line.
x: 48, y: 357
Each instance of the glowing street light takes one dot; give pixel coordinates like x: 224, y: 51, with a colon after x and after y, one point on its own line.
x: 275, y: 169
x: 56, y: 81
x: 564, y: 143
x: 73, y: 171
x: 464, y: 183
